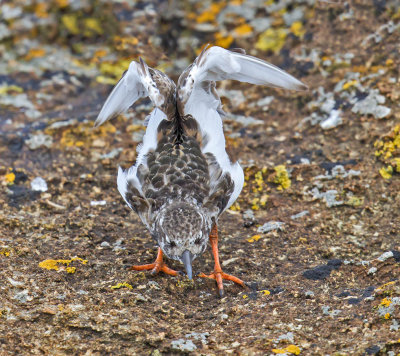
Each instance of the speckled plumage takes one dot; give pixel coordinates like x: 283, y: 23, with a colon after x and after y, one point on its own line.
x: 183, y: 178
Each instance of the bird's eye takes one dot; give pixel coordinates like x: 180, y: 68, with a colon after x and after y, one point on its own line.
x: 172, y: 244
x: 197, y: 241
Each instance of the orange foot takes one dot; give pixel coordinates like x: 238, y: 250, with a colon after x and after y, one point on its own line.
x: 157, y: 266
x: 218, y: 275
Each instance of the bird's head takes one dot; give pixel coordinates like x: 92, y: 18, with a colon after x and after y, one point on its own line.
x: 182, y: 230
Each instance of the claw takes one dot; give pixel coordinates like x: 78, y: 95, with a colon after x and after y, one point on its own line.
x: 157, y: 266
x: 218, y: 275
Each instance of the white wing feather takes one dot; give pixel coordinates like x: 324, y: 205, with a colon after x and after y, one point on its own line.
x: 129, y: 89
x: 216, y: 64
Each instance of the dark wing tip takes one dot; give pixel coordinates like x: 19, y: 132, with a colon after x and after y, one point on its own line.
x: 238, y: 50
x: 302, y: 87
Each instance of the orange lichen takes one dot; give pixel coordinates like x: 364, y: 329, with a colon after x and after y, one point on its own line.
x: 35, y: 53
x: 41, y: 10
x: 211, y: 13
x: 223, y: 41
x: 243, y: 30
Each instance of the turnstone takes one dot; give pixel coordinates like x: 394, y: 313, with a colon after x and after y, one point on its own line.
x: 183, y: 179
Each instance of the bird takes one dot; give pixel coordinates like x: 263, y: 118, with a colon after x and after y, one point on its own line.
x: 183, y: 178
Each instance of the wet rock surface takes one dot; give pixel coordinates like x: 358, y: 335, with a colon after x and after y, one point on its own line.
x: 315, y: 232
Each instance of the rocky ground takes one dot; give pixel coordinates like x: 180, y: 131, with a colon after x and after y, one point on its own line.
x: 314, y: 233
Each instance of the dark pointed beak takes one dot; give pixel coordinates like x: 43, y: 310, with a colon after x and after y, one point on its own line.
x: 187, y: 261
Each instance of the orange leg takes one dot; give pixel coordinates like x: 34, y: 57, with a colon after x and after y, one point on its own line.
x: 218, y: 275
x: 157, y: 266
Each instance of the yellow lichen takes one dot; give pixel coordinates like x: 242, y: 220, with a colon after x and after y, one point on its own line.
x: 349, y: 84
x: 235, y: 207
x: 10, y: 177
x: 266, y: 292
x: 387, y: 172
x: 396, y: 164
x: 55, y: 264
x: 5, y: 252
x: 122, y: 285
x: 254, y: 238
x: 70, y: 269
x: 297, y: 29
x: 83, y: 134
x: 386, y: 302
x: 293, y: 349
x: 92, y: 26
x: 70, y: 21
x: 114, y: 70
x: 272, y: 39
x: 5, y: 89
x: 282, y: 177
x: 388, y: 151
x: 245, y: 296
x: 355, y: 201
x: 254, y: 204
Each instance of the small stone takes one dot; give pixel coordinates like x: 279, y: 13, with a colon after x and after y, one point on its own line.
x: 97, y: 203
x: 183, y: 345
x: 309, y: 294
x: 270, y: 226
x: 332, y: 121
x: 385, y: 256
x: 23, y: 296
x: 38, y: 184
x: 39, y: 140
x: 300, y: 215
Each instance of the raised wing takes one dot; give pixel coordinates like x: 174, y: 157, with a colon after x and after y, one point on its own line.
x: 216, y: 63
x: 196, y: 96
x: 137, y: 82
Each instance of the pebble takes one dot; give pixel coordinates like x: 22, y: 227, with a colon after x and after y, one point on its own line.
x: 183, y: 345
x: 38, y: 184
x: 270, y: 226
x: 97, y: 203
x: 39, y: 140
